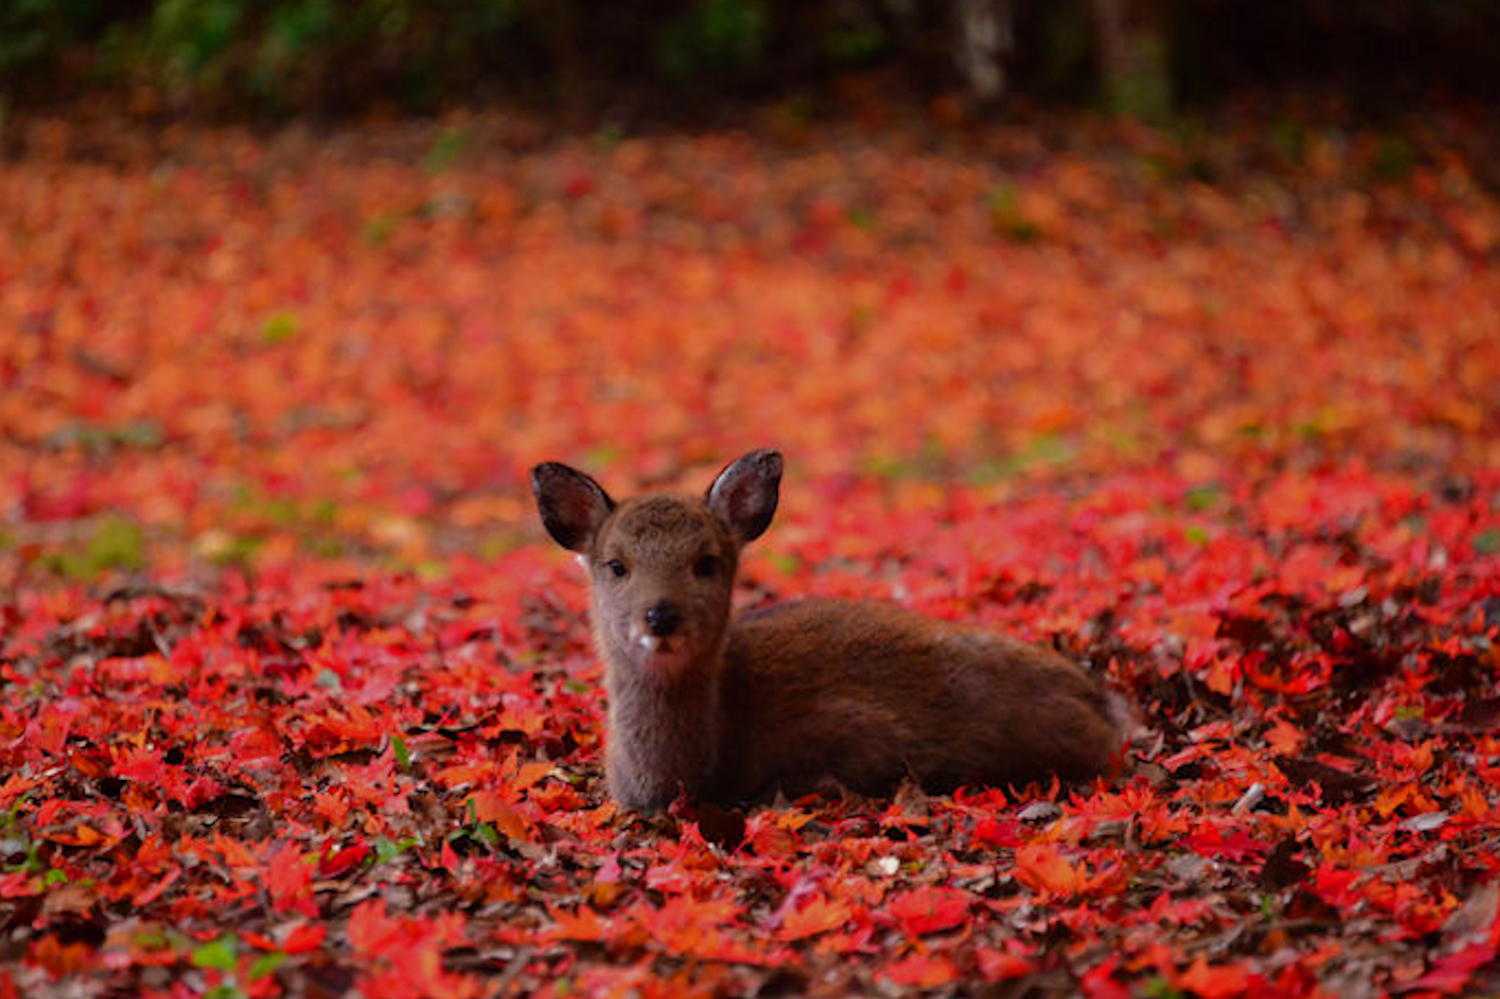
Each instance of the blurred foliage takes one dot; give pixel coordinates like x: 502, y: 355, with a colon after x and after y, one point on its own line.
x: 711, y: 38
x: 38, y: 32
x: 306, y: 54
x: 289, y: 56
x: 112, y: 543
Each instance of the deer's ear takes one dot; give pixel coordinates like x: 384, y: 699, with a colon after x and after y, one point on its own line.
x: 744, y: 495
x: 572, y: 505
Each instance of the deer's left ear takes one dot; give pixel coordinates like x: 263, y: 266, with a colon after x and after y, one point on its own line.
x: 745, y: 493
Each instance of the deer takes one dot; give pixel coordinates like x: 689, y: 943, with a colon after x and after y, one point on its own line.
x: 782, y: 699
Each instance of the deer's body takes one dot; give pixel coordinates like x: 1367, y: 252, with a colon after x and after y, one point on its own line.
x: 865, y: 693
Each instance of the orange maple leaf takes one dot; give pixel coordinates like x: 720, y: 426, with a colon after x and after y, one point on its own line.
x: 1043, y: 868
x: 1213, y: 981
x: 492, y: 808
x: 818, y: 916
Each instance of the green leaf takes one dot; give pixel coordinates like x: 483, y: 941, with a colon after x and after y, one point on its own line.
x: 228, y: 990
x: 712, y: 38
x: 1159, y: 988
x: 1487, y: 542
x: 278, y: 328
x: 221, y: 954
x: 266, y: 964
x: 609, y: 136
x: 1394, y: 159
x: 222, y: 548
x: 117, y: 543
x: 151, y: 937
x: 1006, y: 217
x: 379, y: 228
x: 1290, y: 137
x: 431, y: 569
x: 386, y: 850
x: 446, y: 148
x: 599, y: 456
x: 498, y: 543
x: 786, y: 563
x: 403, y: 758
x: 861, y: 43
x: 9, y: 816
x: 1202, y: 497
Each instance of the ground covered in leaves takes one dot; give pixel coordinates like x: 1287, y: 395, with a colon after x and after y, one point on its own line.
x: 294, y: 699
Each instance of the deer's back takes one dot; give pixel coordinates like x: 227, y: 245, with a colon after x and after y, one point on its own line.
x: 870, y: 693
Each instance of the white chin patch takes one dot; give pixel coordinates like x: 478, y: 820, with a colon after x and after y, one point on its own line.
x: 657, y: 652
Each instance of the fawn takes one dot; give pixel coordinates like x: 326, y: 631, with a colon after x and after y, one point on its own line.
x: 781, y: 698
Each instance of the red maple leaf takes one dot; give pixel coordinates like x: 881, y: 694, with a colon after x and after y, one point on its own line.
x: 929, y: 910
x: 288, y: 877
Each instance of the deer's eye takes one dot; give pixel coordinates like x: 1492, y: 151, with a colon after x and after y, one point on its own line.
x: 706, y: 566
x: 616, y: 568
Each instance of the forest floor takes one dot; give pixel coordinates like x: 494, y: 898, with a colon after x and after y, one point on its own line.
x: 296, y: 699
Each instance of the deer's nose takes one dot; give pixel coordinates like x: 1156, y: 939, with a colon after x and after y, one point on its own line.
x: 662, y: 618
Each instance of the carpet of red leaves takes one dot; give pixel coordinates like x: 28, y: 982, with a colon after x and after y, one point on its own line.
x: 295, y: 699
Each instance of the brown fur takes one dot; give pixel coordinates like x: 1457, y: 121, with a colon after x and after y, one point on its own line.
x: 865, y: 693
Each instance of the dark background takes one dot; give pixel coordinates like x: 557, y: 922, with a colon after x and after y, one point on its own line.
x: 683, y: 59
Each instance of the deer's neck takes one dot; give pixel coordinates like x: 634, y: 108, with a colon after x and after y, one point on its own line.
x: 663, y: 733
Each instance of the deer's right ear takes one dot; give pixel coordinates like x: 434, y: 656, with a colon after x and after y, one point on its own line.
x: 572, y: 505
